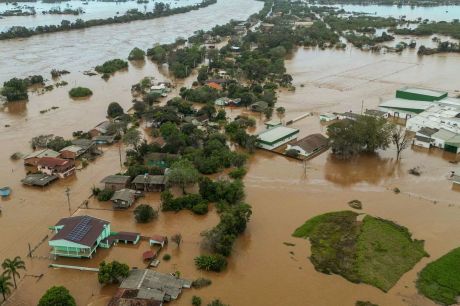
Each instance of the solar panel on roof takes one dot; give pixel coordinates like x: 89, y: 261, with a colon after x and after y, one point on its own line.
x: 80, y: 231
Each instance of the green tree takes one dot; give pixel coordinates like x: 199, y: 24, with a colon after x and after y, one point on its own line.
x: 145, y: 213
x: 14, y: 90
x: 213, y: 262
x: 114, y: 110
x: 57, y: 295
x: 136, y: 54
x: 132, y: 138
x: 114, y: 272
x: 183, y: 173
x: 196, y: 301
x: 12, y: 268
x: 5, y: 285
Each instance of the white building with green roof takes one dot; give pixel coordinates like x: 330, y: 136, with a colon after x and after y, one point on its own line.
x: 276, y: 137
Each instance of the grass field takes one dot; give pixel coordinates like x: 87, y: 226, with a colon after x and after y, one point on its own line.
x: 375, y: 251
x: 440, y: 279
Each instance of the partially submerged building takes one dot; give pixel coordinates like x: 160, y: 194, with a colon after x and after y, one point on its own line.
x: 72, y: 152
x: 420, y: 94
x: 32, y: 158
x: 100, y: 129
x: 78, y: 236
x: 153, y: 285
x: 276, y: 137
x: 39, y: 179
x: 148, y: 182
x: 116, y: 182
x: 56, y: 166
x: 310, y: 145
x: 423, y: 137
x: 123, y: 198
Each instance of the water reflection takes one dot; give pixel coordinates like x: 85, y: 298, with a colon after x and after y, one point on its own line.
x: 366, y: 168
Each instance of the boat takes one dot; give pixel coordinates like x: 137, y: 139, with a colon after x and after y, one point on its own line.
x: 5, y: 191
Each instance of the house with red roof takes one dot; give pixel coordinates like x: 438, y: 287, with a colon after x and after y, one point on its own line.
x: 56, y: 166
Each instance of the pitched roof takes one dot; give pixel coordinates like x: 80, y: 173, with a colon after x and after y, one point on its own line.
x: 42, y: 153
x: 150, y: 179
x: 72, y: 148
x: 123, y: 195
x: 51, y: 162
x: 38, y: 179
x: 116, y: 179
x: 83, y: 143
x: 443, y: 134
x: 83, y: 230
x: 159, y: 238
x: 312, y: 142
x: 427, y: 131
x: 215, y: 86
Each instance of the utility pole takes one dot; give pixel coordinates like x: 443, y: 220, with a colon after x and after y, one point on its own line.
x: 119, y: 153
x: 67, y: 193
x: 362, y: 106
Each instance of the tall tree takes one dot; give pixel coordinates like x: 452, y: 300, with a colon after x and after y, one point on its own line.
x: 57, y: 295
x: 114, y: 110
x: 132, y: 138
x: 5, y: 285
x: 183, y: 173
x: 400, y: 139
x: 12, y: 267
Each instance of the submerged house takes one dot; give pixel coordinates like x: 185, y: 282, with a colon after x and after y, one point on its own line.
x: 310, y: 145
x: 148, y: 182
x: 78, y: 236
x: 32, y: 158
x: 39, y: 179
x: 423, y: 137
x: 56, y: 166
x: 116, y: 182
x: 123, y: 198
x: 276, y: 137
x: 72, y: 152
x: 100, y: 129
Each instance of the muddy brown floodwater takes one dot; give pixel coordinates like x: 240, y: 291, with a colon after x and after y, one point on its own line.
x: 283, y: 192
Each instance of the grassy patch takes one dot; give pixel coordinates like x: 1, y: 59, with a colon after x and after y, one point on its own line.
x: 375, y: 251
x: 440, y: 280
x: 385, y: 251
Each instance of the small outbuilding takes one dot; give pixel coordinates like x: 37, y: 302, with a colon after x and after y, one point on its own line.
x: 159, y: 240
x: 123, y: 198
x: 39, y: 179
x: 72, y: 152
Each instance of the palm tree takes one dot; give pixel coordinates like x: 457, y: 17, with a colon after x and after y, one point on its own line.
x: 11, y: 267
x: 5, y: 285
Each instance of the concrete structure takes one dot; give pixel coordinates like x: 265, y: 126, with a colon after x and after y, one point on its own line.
x: 147, y: 182
x: 78, y: 236
x: 32, y: 158
x: 326, y: 117
x: 403, y: 108
x: 437, y: 116
x: 276, y: 137
x: 153, y: 285
x: 423, y: 137
x: 310, y: 145
x: 441, y: 137
x: 116, y: 182
x: 123, y: 198
x: 56, y: 166
x: 272, y: 123
x: 420, y: 94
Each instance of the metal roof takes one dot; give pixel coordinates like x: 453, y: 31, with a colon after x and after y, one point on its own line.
x: 42, y: 153
x: 443, y: 134
x: 83, y: 230
x: 278, y: 132
x: 422, y: 91
x: 406, y: 104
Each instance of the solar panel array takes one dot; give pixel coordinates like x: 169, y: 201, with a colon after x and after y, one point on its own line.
x: 80, y: 231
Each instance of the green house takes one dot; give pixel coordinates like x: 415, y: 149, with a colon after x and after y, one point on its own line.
x: 79, y: 236
x: 420, y: 94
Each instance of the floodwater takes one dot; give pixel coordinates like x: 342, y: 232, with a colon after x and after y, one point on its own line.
x: 435, y: 13
x: 80, y: 50
x: 92, y: 10
x: 283, y: 192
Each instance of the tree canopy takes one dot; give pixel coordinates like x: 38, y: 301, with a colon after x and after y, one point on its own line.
x: 57, y: 295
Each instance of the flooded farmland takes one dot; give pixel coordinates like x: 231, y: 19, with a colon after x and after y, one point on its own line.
x: 283, y: 192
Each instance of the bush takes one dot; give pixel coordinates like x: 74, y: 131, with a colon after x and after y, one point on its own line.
x: 238, y: 173
x: 15, y: 90
x: 80, y: 92
x: 57, y: 295
x: 193, y: 202
x: 196, y: 301
x: 166, y: 257
x: 105, y: 195
x: 200, y: 208
x: 112, y: 66
x: 136, y: 54
x: 145, y: 213
x: 201, y: 282
x: 214, y: 262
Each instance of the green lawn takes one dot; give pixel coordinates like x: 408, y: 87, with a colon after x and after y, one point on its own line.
x: 375, y: 251
x: 440, y: 279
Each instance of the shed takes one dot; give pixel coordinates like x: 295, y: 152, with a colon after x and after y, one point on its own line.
x: 326, y: 117
x: 149, y: 255
x: 123, y: 198
x: 158, y: 239
x: 420, y: 94
x: 116, y: 182
x: 148, y: 182
x: 310, y: 145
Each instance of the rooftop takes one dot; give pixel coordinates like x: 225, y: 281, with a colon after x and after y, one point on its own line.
x: 123, y: 195
x: 42, y: 153
x: 51, y: 162
x: 443, y: 134
x: 38, y: 179
x: 312, y: 142
x: 83, y: 230
x: 427, y: 131
x: 422, y: 91
x: 276, y: 133
x: 406, y: 104
x: 72, y: 148
x: 116, y: 179
x: 150, y: 179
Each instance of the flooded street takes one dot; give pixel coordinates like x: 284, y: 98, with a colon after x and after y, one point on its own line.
x: 284, y: 193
